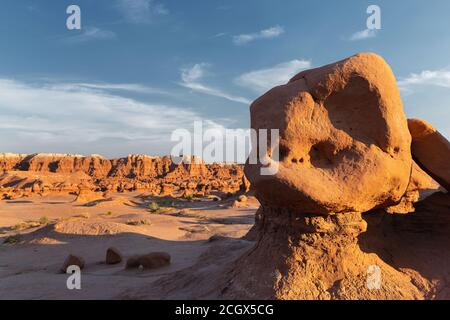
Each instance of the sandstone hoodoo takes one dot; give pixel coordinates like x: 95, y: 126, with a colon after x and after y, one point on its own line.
x: 344, y: 150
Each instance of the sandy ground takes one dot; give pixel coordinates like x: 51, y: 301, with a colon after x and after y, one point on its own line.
x: 29, y: 268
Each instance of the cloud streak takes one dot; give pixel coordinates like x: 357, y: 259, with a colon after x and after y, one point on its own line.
x: 363, y: 35
x: 89, y: 34
x: 269, y: 33
x: 128, y: 87
x: 259, y: 81
x: 436, y: 78
x: 140, y: 11
x: 191, y: 79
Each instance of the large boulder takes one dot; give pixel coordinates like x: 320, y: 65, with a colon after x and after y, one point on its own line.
x: 431, y: 151
x: 344, y: 141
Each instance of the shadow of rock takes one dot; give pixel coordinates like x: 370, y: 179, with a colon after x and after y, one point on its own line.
x: 417, y: 244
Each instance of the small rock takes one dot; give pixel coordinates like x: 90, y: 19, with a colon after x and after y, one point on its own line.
x: 243, y: 199
x: 152, y: 260
x: 132, y: 262
x: 215, y: 238
x: 113, y: 256
x: 155, y: 260
x: 72, y: 260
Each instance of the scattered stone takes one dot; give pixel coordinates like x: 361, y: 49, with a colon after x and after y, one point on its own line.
x: 113, y: 256
x: 152, y: 260
x: 72, y: 260
x: 216, y: 237
x: 243, y: 199
x: 132, y: 262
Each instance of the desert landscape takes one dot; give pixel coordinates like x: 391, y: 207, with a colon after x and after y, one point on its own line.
x: 358, y: 186
x: 54, y: 206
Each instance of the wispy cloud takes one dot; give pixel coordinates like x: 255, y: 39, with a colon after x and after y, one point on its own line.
x: 219, y: 35
x: 130, y: 87
x: 140, y: 11
x: 64, y: 118
x: 88, y: 34
x: 264, y: 79
x: 437, y: 78
x: 263, y: 34
x: 191, y: 78
x: 363, y: 35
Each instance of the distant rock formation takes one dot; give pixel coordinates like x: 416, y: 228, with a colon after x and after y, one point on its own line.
x: 43, y: 173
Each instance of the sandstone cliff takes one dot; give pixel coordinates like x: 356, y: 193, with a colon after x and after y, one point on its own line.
x: 40, y: 173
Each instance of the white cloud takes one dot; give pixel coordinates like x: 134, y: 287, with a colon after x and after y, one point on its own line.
x: 140, y: 11
x: 437, y: 78
x: 130, y: 87
x: 67, y: 119
x: 264, y: 79
x: 90, y: 33
x: 363, y: 35
x: 263, y: 34
x: 190, y: 78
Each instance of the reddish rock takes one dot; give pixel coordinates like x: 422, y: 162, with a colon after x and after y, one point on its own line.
x: 113, y: 256
x: 344, y: 140
x: 72, y: 260
x: 152, y: 260
x: 431, y: 151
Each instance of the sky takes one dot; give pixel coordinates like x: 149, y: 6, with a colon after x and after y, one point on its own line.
x: 139, y: 69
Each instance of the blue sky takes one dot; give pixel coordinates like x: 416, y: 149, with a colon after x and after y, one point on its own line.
x: 138, y: 69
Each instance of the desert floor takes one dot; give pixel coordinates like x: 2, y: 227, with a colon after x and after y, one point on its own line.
x: 40, y: 232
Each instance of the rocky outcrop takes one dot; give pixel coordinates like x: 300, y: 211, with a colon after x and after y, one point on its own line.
x: 431, y: 150
x: 44, y: 173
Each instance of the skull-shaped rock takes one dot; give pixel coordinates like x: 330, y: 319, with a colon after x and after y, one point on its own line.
x: 344, y: 144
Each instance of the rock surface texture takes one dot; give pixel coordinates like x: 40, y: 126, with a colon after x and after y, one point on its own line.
x: 431, y: 150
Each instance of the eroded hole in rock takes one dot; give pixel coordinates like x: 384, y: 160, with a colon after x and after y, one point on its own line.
x: 322, y: 154
x: 284, y: 152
